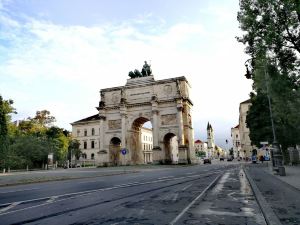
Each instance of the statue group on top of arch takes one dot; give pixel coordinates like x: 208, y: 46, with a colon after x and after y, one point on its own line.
x: 146, y: 71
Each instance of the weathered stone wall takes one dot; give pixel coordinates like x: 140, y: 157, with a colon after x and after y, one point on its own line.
x: 165, y: 103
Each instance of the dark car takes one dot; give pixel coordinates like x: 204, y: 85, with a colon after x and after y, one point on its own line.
x: 229, y: 159
x: 221, y: 159
x: 206, y: 161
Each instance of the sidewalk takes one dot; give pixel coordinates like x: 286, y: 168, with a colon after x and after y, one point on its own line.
x: 292, y: 174
x: 278, y: 196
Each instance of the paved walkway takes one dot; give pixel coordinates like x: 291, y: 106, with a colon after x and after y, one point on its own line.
x: 292, y: 175
x: 278, y: 196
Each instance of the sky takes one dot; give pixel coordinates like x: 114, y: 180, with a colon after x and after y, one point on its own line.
x: 58, y: 54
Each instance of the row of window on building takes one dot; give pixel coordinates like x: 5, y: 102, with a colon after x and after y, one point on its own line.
x: 85, y: 132
x: 146, y: 138
x: 85, y: 145
x: 147, y: 146
x: 85, y: 156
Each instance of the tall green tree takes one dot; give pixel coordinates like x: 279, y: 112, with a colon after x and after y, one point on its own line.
x: 271, y: 34
x: 6, y: 110
x: 74, y: 149
x: 272, y: 28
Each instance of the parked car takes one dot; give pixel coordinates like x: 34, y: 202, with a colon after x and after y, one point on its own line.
x: 230, y: 158
x: 207, y: 160
x: 221, y: 158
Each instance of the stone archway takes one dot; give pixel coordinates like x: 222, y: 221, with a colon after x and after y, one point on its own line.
x: 139, y: 154
x: 171, y: 148
x: 166, y: 103
x: 114, y: 150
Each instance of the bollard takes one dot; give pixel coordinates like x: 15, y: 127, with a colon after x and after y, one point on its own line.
x: 281, y: 171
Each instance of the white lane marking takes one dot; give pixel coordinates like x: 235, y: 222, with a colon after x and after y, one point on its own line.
x: 52, y: 199
x: 19, y: 190
x: 193, y: 202
x: 175, y: 197
x: 190, y: 173
x: 85, y: 182
x: 9, y: 207
x: 186, y: 187
x: 165, y: 177
x: 219, y: 187
x: 82, y: 193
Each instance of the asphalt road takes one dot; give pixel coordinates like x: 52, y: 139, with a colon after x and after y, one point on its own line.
x: 203, y: 194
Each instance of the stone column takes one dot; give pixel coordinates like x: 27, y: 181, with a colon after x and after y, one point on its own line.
x: 102, y: 118
x: 180, y: 123
x: 123, y: 141
x: 155, y: 126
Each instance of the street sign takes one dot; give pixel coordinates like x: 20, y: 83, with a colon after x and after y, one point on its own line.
x: 264, y: 142
x: 123, y: 151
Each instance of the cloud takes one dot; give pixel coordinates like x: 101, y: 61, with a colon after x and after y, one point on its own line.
x: 62, y: 68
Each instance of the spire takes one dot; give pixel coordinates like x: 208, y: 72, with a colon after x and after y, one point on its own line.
x: 208, y: 126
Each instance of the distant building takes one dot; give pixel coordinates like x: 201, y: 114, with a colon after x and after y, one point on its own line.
x: 87, y: 132
x: 245, y: 142
x: 147, y: 144
x: 201, y: 146
x: 210, y: 140
x: 236, y: 142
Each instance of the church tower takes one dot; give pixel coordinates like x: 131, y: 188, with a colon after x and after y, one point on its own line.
x: 210, y: 137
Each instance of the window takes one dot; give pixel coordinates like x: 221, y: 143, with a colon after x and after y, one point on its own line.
x: 85, y: 145
x: 78, y: 132
x: 85, y: 132
x: 92, y: 144
x: 84, y: 156
x: 237, y: 136
x: 92, y: 156
x: 93, y: 131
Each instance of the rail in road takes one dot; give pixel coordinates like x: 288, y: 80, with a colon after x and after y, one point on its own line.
x: 215, y: 195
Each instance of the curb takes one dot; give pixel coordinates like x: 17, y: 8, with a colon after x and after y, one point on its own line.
x: 269, y: 215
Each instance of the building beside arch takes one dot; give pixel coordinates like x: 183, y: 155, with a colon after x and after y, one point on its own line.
x: 122, y: 112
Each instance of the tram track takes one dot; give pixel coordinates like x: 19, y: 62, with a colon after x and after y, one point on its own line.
x: 30, y: 204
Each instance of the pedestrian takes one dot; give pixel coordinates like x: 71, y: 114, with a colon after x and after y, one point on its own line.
x: 261, y: 158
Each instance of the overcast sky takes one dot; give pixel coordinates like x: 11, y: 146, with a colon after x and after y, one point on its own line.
x: 58, y: 54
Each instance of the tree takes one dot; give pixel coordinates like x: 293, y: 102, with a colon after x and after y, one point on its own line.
x: 6, y: 110
x: 29, y: 150
x: 43, y: 118
x: 74, y: 149
x: 272, y: 38
x: 272, y: 28
x: 200, y: 154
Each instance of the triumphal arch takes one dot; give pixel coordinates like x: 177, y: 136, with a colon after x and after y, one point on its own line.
x: 123, y: 110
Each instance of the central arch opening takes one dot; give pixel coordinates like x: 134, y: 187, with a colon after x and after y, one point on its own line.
x: 171, y: 148
x: 114, y: 150
x: 141, y: 141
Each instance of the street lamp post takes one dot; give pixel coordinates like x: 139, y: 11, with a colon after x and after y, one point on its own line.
x: 277, y: 157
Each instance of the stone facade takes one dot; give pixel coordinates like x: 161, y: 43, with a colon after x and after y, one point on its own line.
x: 236, y: 142
x: 165, y: 103
x: 211, y: 147
x: 123, y: 111
x: 246, y: 147
x: 87, y: 132
x: 202, y: 146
